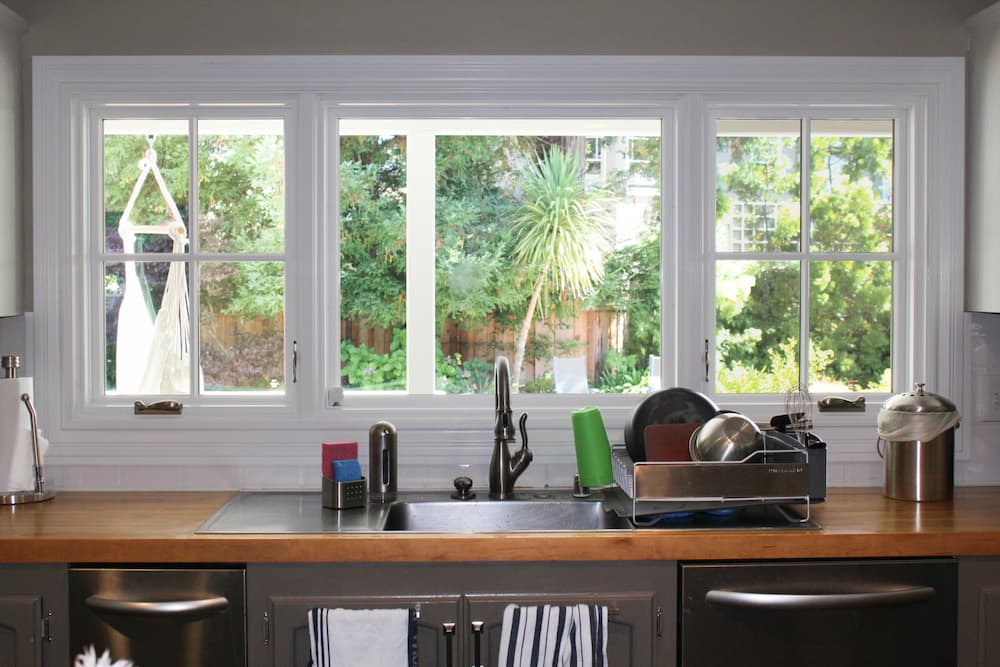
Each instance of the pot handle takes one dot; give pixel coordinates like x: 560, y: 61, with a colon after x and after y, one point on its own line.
x: 878, y: 447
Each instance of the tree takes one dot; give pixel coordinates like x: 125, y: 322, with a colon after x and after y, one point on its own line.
x: 373, y: 230
x: 562, y: 236
x: 474, y: 205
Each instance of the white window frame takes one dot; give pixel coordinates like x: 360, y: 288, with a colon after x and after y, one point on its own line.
x: 930, y: 91
x: 904, y: 341
x: 91, y: 244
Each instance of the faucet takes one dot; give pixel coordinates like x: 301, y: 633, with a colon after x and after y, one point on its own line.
x: 505, y: 467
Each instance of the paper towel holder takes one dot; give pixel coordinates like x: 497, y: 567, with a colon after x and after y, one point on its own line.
x: 39, y: 493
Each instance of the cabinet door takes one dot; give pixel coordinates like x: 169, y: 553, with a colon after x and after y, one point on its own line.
x: 33, y: 616
x: 289, y: 632
x: 280, y: 595
x: 632, y: 621
x: 979, y: 612
x: 20, y: 630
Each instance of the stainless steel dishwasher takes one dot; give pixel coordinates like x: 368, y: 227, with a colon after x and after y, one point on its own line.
x: 164, y: 617
x: 785, y: 614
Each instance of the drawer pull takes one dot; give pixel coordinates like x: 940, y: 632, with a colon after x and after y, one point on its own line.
x: 477, y: 632
x: 449, y: 640
x: 169, y: 608
x: 854, y: 600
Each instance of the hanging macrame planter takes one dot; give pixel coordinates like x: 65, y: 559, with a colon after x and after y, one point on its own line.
x: 153, y: 355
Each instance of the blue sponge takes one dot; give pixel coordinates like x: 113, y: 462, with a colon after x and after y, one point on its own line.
x: 346, y: 470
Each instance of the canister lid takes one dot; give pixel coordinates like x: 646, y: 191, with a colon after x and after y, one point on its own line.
x: 918, y: 400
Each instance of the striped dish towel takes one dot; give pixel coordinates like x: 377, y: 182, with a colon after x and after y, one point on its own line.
x: 362, y: 637
x: 554, y: 636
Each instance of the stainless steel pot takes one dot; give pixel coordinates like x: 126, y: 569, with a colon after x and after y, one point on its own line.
x: 917, y: 430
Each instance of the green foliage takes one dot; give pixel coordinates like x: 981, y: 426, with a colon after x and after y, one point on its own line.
x: 623, y: 374
x: 779, y: 376
x: 458, y: 376
x: 562, y: 228
x: 475, y: 276
x: 373, y: 229
x: 544, y: 384
x: 241, y: 192
x: 631, y: 285
x: 367, y: 370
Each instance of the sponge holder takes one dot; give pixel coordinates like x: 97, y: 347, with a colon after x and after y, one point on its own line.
x: 343, y: 495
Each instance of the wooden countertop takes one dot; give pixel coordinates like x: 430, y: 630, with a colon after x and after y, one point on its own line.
x: 159, y: 527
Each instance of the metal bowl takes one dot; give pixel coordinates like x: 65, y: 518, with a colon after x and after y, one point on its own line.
x: 728, y: 436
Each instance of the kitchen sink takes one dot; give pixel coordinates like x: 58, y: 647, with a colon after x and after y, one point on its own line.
x: 491, y: 516
x: 530, y: 510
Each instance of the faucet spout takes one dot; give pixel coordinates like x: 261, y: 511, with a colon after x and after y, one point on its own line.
x: 505, y: 467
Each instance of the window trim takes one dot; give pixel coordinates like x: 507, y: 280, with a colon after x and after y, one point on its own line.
x: 931, y: 89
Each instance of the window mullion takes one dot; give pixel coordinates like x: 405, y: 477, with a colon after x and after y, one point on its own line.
x: 194, y: 268
x: 420, y: 238
x: 805, y: 176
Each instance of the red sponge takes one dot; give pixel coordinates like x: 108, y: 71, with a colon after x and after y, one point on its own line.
x: 337, y: 451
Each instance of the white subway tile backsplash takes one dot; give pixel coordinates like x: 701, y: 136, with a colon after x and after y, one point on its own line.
x: 272, y: 477
x: 210, y: 478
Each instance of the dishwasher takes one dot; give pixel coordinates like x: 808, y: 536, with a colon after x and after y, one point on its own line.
x: 160, y: 617
x: 818, y: 613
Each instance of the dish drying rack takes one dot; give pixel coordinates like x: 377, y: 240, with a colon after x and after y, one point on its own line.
x: 775, y: 475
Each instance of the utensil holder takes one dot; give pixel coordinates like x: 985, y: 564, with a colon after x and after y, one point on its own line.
x: 343, y: 495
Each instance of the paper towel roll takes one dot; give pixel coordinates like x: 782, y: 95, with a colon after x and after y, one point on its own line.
x: 17, y: 460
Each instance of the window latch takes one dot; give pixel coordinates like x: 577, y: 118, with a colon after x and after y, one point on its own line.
x: 707, y: 368
x: 159, y: 408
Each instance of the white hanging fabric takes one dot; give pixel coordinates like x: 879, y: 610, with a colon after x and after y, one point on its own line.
x: 153, y: 355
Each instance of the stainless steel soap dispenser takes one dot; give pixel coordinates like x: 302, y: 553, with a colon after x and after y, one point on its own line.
x: 382, y: 462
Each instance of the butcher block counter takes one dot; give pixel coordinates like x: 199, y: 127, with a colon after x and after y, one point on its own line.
x: 161, y: 527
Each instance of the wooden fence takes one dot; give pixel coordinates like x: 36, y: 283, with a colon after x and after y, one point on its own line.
x: 590, y: 334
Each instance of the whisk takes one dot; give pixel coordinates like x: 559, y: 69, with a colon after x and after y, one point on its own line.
x: 798, y: 407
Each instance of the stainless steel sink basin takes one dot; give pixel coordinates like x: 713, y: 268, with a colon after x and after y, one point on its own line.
x: 491, y: 516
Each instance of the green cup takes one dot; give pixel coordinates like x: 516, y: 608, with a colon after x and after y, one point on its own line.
x: 593, y: 451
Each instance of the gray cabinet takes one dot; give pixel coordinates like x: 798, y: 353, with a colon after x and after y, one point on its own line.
x: 12, y: 27
x: 979, y: 612
x: 461, y: 605
x: 33, y: 616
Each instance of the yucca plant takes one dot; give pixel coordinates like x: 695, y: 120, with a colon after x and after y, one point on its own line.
x: 562, y: 233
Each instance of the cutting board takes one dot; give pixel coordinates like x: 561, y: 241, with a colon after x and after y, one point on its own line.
x: 668, y: 442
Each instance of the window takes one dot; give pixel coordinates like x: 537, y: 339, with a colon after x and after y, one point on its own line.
x: 805, y: 253
x: 496, y: 227
x: 192, y: 308
x: 346, y: 237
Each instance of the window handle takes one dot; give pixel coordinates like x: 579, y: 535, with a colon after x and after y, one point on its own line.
x: 295, y: 361
x: 707, y: 369
x: 158, y: 408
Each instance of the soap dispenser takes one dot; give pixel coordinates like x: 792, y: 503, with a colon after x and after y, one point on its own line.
x: 382, y: 462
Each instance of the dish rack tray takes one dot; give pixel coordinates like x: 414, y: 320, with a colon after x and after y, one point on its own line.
x: 778, y: 475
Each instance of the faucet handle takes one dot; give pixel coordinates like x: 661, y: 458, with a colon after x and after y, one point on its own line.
x: 463, y: 488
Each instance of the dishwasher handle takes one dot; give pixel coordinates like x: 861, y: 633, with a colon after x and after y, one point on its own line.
x: 168, y: 608
x: 881, y: 597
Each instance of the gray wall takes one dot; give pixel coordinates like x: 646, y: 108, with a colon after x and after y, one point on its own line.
x: 626, y: 27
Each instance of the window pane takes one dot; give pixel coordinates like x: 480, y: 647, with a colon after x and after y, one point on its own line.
x: 850, y: 313
x: 548, y: 248
x: 147, y: 330
x: 241, y: 185
x: 850, y: 186
x: 757, y: 326
x: 139, y: 214
x: 242, y: 326
x: 373, y: 261
x: 757, y: 185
